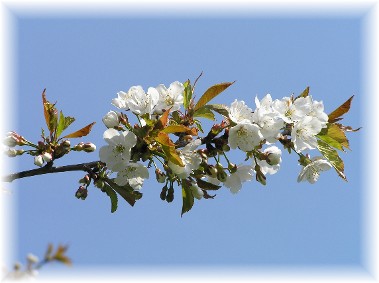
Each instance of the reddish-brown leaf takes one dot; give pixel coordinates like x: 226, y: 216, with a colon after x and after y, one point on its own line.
x: 342, y: 109
x: 82, y: 132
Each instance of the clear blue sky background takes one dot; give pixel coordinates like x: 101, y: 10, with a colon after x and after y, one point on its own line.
x: 83, y: 62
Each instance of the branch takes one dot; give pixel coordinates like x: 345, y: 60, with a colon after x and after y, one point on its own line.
x: 48, y: 169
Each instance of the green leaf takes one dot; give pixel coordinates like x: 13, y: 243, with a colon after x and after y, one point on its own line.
x: 206, y: 185
x: 220, y: 109
x: 82, y: 132
x: 112, y: 195
x: 187, y: 94
x: 198, y: 125
x: 304, y: 94
x: 334, y: 136
x: 188, y: 198
x: 176, y: 129
x: 63, y: 123
x: 126, y: 192
x: 331, y: 154
x: 342, y: 109
x: 204, y: 112
x: 211, y: 93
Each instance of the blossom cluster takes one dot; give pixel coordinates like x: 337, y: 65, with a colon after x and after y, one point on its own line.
x: 167, y: 135
x: 251, y: 131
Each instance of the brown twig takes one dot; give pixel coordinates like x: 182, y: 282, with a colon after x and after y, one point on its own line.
x: 50, y: 169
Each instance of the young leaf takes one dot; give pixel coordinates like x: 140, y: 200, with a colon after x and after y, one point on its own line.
x: 188, y: 198
x: 82, y: 132
x: 60, y: 255
x: 172, y: 155
x: 164, y: 119
x: 331, y: 154
x: 50, y: 113
x: 63, y: 123
x: 211, y: 93
x: 164, y: 139
x: 187, y: 94
x: 112, y: 195
x: 220, y: 109
x: 342, y: 109
x: 334, y: 136
x: 205, y: 112
x: 305, y: 93
x: 176, y: 129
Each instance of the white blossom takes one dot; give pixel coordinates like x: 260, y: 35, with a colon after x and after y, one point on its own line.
x: 110, y: 119
x: 245, y: 136
x: 190, y: 159
x: 304, y: 133
x: 169, y: 98
x: 117, y: 152
x: 317, y: 111
x: 291, y: 111
x: 121, y: 100
x: 32, y: 258
x: 140, y: 102
x: 239, y: 112
x: 132, y: 174
x: 311, y: 172
x: 234, y: 180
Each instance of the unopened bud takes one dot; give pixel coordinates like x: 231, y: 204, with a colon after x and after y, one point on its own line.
x: 81, y: 193
x: 212, y: 171
x: 66, y: 143
x: 47, y: 157
x: 79, y: 146
x: 111, y: 119
x: 38, y: 160
x: 32, y: 258
x: 163, y: 193
x: 85, y: 180
x: 89, y: 147
x: 12, y: 139
x: 11, y: 152
x: 170, y: 194
x: 160, y: 176
x: 273, y: 155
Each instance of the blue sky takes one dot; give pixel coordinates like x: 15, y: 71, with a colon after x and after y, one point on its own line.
x: 83, y: 62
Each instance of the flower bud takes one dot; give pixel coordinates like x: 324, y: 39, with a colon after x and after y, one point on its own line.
x: 170, y: 194
x: 47, y: 157
x: 79, y: 146
x: 163, y: 193
x: 260, y: 177
x: 85, y: 180
x: 161, y: 176
x: 66, y: 143
x: 111, y: 119
x: 32, y: 258
x: 89, y: 147
x: 81, y: 193
x: 273, y: 155
x: 38, y: 160
x: 11, y: 152
x: 12, y: 139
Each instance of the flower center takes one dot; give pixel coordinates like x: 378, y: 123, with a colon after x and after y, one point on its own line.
x: 119, y: 148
